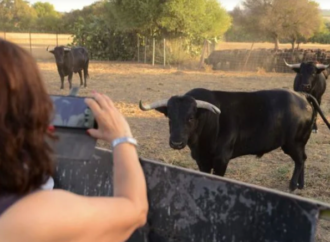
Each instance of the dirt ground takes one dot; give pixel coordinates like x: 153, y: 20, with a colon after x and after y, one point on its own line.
x: 127, y: 83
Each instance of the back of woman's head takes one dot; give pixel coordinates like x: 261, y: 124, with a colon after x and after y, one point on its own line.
x: 25, y: 112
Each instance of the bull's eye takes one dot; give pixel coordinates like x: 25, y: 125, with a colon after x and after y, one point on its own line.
x: 190, y: 120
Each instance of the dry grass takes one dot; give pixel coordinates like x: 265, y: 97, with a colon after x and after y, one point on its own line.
x: 127, y: 83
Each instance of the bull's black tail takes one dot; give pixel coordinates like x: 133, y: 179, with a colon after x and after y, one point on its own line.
x: 316, y: 105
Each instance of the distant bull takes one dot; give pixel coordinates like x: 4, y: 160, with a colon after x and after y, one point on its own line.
x: 311, y: 78
x: 69, y: 61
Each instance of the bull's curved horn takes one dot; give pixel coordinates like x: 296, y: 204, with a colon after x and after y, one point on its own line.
x: 292, y: 65
x: 208, y: 106
x: 157, y: 104
x: 67, y: 49
x: 321, y: 66
x: 49, y: 49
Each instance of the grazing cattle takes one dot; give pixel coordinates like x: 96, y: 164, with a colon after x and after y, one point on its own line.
x: 69, y: 61
x: 250, y: 123
x: 311, y: 78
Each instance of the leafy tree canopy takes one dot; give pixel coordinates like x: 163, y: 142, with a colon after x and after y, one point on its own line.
x: 279, y: 19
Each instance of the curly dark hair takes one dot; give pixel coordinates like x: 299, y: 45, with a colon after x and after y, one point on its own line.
x: 25, y: 115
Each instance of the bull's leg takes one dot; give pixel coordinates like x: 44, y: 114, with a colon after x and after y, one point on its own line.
x: 315, y: 130
x: 80, y: 76
x: 221, y: 159
x: 297, y: 153
x: 62, y: 82
x: 204, y: 166
x: 86, y: 73
x: 315, y: 125
x: 301, y: 179
x: 70, y: 80
x: 220, y: 167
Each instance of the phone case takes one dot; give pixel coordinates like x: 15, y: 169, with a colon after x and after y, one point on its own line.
x: 72, y: 112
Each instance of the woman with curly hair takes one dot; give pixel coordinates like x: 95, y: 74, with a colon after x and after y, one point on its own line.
x: 30, y: 213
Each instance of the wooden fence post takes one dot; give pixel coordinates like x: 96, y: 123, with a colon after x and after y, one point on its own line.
x: 145, y: 50
x: 153, y: 51
x: 248, y: 56
x: 138, y: 47
x: 203, y: 54
x: 164, y: 53
x: 30, y: 42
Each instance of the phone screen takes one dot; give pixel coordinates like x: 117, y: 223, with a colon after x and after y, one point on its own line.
x: 72, y: 112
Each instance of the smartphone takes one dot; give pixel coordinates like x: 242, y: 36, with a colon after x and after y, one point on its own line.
x: 72, y: 112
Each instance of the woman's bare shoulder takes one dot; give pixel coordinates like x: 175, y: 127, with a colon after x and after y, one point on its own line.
x: 43, y: 214
x: 36, y: 201
x: 31, y: 212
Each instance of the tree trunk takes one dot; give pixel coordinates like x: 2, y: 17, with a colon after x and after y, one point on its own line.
x: 276, y: 42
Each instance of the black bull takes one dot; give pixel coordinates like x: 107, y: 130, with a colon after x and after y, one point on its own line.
x: 250, y: 123
x: 69, y: 61
x: 310, y: 78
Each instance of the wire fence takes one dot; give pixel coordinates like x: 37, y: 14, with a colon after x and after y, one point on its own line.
x: 258, y: 57
x: 225, y: 56
x: 37, y: 43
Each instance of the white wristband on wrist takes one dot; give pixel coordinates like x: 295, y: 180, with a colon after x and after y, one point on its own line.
x: 121, y: 140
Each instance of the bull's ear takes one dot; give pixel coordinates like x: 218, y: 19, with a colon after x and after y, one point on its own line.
x: 162, y: 110
x: 51, y: 51
x: 326, y: 73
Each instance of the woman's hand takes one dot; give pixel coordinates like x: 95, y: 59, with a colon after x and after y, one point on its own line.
x: 111, y: 123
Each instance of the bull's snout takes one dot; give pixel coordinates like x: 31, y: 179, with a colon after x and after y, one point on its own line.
x: 306, y: 87
x: 178, y: 145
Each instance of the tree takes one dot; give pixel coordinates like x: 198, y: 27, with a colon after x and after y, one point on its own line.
x: 48, y: 18
x: 173, y: 18
x: 45, y: 9
x: 240, y: 31
x: 16, y: 15
x: 142, y: 16
x: 299, y: 19
x: 323, y: 34
x: 96, y: 28
x: 195, y: 19
x: 281, y: 19
x: 109, y: 28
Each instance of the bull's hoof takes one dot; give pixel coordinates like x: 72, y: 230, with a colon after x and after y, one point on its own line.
x: 292, y: 187
x: 315, y: 131
x: 300, y: 187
